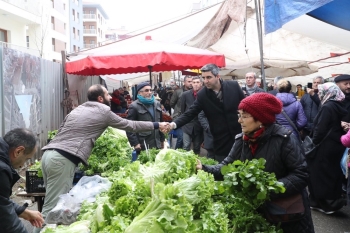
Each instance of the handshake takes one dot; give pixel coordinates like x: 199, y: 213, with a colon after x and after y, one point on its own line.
x: 166, y: 127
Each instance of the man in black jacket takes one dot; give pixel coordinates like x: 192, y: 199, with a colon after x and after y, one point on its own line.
x: 192, y: 131
x: 310, y: 102
x: 16, y: 148
x: 219, y: 101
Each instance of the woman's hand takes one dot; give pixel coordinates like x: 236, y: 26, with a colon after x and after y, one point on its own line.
x: 199, y: 165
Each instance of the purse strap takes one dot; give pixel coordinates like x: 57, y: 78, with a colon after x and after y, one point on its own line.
x: 289, y: 120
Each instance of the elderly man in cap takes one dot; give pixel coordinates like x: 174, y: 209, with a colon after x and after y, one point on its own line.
x: 343, y: 82
x: 145, y: 108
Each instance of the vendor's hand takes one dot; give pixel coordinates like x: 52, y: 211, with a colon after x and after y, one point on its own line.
x: 163, y: 127
x: 34, y: 217
x: 310, y: 91
x: 199, y: 165
x: 137, y: 147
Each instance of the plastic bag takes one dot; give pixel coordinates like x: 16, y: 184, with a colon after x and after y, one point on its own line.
x: 68, y: 206
x: 89, y: 186
x: 344, y: 162
x: 65, y: 212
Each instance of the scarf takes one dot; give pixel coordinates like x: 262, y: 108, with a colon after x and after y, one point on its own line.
x: 251, y: 90
x: 330, y: 91
x: 115, y: 99
x: 253, y: 144
x: 145, y: 101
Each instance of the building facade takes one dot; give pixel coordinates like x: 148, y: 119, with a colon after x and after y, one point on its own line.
x: 95, y: 25
x: 76, y: 26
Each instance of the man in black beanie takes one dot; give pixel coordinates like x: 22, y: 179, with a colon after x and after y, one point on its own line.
x: 343, y: 82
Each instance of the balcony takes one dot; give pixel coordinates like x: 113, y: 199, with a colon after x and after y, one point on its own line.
x: 89, y: 46
x: 89, y: 16
x: 90, y: 31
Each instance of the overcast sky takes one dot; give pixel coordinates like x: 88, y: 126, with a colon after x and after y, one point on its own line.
x: 137, y: 14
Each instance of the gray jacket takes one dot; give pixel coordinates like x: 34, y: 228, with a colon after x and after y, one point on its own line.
x: 81, y: 127
x: 139, y: 112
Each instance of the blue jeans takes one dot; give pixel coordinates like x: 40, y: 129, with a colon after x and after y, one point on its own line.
x: 179, y: 141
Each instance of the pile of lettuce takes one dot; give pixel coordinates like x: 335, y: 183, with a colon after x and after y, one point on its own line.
x: 170, y: 195
x: 111, y: 152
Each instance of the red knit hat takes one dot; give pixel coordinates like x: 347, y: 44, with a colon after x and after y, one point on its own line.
x: 262, y: 106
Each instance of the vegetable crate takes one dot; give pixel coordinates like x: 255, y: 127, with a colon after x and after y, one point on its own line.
x: 34, y: 184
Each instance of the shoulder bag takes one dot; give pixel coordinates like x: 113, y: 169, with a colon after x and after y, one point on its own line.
x: 308, y: 145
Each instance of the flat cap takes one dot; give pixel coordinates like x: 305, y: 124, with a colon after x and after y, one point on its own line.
x: 342, y: 77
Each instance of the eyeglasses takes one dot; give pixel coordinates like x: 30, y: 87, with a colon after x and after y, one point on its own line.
x: 147, y: 90
x: 243, y: 116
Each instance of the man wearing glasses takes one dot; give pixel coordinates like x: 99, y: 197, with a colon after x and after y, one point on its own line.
x: 145, y: 108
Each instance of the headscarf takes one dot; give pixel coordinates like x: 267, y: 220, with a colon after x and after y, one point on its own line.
x: 330, y: 91
x: 115, y: 97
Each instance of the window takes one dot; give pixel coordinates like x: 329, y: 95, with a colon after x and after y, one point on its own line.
x: 27, y: 40
x: 74, y: 48
x: 64, y: 6
x: 53, y: 5
x: 73, y: 13
x: 3, y: 35
x: 52, y: 23
x: 53, y: 44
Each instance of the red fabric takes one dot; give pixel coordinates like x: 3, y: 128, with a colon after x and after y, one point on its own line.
x: 253, y: 145
x: 115, y: 97
x: 133, y: 57
x: 195, y: 94
x: 262, y: 106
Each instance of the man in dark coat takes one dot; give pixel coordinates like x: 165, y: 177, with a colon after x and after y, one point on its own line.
x: 192, y: 131
x: 16, y: 148
x: 250, y: 84
x: 219, y: 101
x: 343, y: 82
x: 145, y: 108
x: 311, y: 102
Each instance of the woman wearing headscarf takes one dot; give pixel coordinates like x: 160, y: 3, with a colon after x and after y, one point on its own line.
x: 261, y: 137
x: 325, y: 186
x: 117, y: 102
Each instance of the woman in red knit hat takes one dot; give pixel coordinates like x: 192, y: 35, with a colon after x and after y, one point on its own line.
x: 261, y: 137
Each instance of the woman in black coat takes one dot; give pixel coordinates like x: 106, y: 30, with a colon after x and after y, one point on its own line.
x: 262, y: 138
x: 326, y: 177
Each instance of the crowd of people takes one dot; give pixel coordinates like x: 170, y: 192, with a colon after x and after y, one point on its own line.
x: 232, y: 122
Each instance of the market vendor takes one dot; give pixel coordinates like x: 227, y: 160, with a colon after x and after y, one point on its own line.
x: 75, y: 140
x: 261, y: 137
x: 145, y: 108
x: 16, y: 147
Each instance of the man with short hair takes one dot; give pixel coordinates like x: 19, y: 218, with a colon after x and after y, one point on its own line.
x: 192, y: 131
x: 311, y: 102
x: 175, y: 103
x: 343, y: 82
x: 16, y: 147
x: 250, y: 84
x: 145, y: 108
x: 75, y: 140
x: 219, y: 101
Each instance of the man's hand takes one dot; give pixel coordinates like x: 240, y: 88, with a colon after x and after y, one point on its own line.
x: 34, y: 217
x: 310, y: 91
x: 137, y: 147
x: 164, y: 127
x: 345, y: 126
x: 199, y: 165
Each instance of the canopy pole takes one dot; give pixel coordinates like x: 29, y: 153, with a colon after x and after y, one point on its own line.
x: 150, y: 75
x: 260, y: 36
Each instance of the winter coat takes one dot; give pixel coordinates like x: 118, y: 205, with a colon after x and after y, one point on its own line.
x: 310, y: 105
x: 9, y: 211
x: 139, y: 112
x: 325, y: 172
x: 294, y: 111
x: 221, y: 115
x: 208, y: 138
x: 193, y: 127
x: 284, y: 158
x: 175, y: 102
x: 82, y: 126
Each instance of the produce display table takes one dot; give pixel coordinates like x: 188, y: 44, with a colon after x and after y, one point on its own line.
x: 38, y: 197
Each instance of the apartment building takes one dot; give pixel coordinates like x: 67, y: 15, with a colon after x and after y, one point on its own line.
x: 42, y: 27
x: 95, y: 24
x: 76, y: 26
